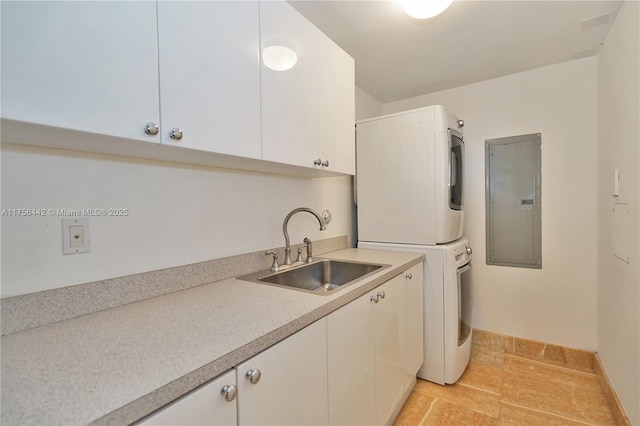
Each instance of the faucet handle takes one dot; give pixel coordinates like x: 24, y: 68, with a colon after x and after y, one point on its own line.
x: 309, y: 245
x: 274, y: 265
x: 299, y: 258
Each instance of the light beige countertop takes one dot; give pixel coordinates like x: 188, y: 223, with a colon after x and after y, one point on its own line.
x: 118, y: 365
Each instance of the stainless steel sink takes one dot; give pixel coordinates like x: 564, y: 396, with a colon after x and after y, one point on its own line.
x: 320, y: 277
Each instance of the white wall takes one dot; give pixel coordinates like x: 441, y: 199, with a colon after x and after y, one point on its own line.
x: 366, y: 105
x: 179, y: 214
x: 619, y: 147
x: 556, y: 304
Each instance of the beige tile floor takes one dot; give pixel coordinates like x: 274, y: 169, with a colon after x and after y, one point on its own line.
x: 502, y: 387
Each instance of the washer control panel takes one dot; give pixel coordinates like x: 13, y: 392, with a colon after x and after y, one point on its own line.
x: 460, y: 254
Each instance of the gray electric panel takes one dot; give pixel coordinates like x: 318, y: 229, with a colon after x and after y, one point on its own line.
x: 512, y: 197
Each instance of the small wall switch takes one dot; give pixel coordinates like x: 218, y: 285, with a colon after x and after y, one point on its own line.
x: 616, y: 183
x: 75, y: 236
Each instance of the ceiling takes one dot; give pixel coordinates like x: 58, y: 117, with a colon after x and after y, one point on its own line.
x: 474, y: 40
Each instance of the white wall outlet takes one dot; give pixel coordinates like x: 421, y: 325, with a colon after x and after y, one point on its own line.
x: 75, y: 236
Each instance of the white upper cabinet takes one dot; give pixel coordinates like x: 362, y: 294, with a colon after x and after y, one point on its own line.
x: 210, y: 75
x: 308, y: 111
x: 290, y: 97
x: 94, y: 75
x: 89, y: 66
x: 336, y: 106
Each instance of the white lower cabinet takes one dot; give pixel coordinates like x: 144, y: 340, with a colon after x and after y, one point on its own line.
x: 283, y: 385
x: 352, y: 364
x: 207, y: 405
x: 352, y: 367
x: 290, y: 381
x: 375, y: 348
x: 414, y: 306
x: 390, y: 348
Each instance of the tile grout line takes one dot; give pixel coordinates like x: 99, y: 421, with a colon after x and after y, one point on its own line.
x: 428, y: 413
x: 568, y: 370
x: 479, y: 389
x: 546, y: 412
x: 502, y: 410
x: 500, y: 405
x: 497, y: 394
x: 539, y: 362
x: 550, y: 365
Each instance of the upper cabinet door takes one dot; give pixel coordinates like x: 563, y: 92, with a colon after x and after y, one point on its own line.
x: 289, y: 98
x: 210, y: 75
x: 89, y: 66
x: 337, y: 107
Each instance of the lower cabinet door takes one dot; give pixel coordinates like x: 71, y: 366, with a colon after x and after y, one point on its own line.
x: 414, y: 295
x: 352, y: 367
x: 287, y: 383
x: 390, y: 348
x: 207, y: 405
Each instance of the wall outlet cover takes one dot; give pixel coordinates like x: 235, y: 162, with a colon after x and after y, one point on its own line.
x: 75, y: 236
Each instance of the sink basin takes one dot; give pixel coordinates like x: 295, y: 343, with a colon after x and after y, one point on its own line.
x: 320, y: 277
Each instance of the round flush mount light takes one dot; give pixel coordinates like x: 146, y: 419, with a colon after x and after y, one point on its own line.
x: 279, y: 56
x: 424, y: 9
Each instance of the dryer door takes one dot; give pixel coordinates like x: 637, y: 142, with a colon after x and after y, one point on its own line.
x: 456, y: 163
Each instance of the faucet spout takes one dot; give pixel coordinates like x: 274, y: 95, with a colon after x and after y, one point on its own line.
x: 287, y: 243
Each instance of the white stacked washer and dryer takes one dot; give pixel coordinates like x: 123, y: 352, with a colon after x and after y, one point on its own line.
x: 409, y: 192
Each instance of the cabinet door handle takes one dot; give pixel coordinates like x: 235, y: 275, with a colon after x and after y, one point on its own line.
x: 175, y: 134
x: 375, y: 298
x: 317, y: 162
x: 325, y: 163
x: 253, y: 376
x: 381, y: 294
x: 151, y: 129
x: 409, y: 275
x: 229, y: 392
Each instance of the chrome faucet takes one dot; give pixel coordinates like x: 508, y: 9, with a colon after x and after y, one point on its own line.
x: 321, y: 221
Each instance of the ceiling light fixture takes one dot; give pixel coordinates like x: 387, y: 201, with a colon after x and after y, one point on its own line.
x: 424, y: 9
x: 279, y: 55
